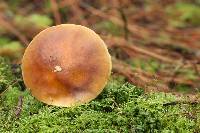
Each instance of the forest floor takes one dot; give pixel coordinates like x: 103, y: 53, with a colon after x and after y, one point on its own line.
x: 155, y: 45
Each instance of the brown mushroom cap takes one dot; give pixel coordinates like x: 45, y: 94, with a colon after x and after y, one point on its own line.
x: 66, y: 65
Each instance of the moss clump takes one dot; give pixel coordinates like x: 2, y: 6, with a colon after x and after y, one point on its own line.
x: 121, y: 107
x: 6, y: 76
x: 40, y: 21
x: 184, y: 14
x: 109, y: 27
x: 10, y: 49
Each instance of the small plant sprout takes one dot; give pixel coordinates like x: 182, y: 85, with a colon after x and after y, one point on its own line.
x: 66, y: 65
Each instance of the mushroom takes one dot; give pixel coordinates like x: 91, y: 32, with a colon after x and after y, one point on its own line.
x: 66, y: 65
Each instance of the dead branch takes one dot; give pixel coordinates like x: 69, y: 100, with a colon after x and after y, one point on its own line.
x: 122, y: 43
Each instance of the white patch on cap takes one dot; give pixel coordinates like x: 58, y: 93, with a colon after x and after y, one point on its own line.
x: 57, y: 69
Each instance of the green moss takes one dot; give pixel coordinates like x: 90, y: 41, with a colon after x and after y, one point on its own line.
x: 190, y: 74
x: 38, y: 20
x: 150, y: 65
x: 6, y: 76
x: 121, y: 107
x: 184, y: 14
x: 108, y: 26
x: 11, y: 49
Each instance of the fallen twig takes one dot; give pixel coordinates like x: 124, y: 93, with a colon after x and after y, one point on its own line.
x: 138, y: 77
x: 122, y: 43
x: 19, y: 106
x: 9, y: 87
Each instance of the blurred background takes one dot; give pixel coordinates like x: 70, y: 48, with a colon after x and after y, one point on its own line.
x: 155, y: 44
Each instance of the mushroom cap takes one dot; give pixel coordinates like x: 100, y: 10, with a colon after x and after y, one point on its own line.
x: 66, y: 65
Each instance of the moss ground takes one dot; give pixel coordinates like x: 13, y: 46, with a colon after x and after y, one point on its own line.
x: 121, y: 107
